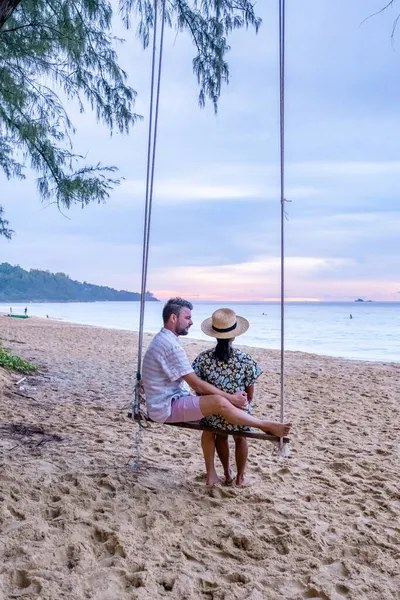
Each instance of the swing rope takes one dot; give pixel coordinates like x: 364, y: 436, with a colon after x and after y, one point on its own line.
x: 139, y: 398
x: 151, y: 156
x: 283, y: 200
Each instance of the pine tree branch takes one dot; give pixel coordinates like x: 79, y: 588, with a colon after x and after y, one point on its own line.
x: 7, y: 8
x: 17, y: 28
x: 70, y: 43
x: 380, y: 11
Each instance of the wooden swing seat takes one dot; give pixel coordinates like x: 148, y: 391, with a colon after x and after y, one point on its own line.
x: 255, y: 435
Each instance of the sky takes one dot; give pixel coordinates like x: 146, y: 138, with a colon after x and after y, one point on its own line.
x: 216, y: 208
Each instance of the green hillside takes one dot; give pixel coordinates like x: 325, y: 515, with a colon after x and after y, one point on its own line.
x: 19, y: 285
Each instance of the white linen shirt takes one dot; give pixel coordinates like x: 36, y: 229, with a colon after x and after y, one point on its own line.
x: 164, y: 365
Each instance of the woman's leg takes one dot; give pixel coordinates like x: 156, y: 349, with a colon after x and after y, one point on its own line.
x: 194, y: 408
x: 208, y: 447
x: 218, y: 405
x: 241, y: 453
x: 222, y: 446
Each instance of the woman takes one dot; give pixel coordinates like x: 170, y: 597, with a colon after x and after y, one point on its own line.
x: 230, y: 370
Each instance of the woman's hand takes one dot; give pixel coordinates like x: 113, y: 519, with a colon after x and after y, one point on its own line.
x: 238, y: 399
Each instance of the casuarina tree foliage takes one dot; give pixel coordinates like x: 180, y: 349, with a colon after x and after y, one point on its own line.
x: 52, y: 50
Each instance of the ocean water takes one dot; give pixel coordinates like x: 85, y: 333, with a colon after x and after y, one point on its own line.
x: 321, y: 328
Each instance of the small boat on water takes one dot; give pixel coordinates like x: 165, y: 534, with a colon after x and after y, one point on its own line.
x: 19, y: 316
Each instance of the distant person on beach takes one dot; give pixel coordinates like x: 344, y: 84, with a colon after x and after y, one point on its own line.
x: 167, y: 373
x: 230, y: 370
x: 25, y: 311
x: 351, y: 316
x: 10, y: 310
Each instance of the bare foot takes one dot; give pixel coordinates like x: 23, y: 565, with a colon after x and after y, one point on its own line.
x: 212, y: 479
x: 240, y: 481
x: 278, y: 429
x: 229, y: 478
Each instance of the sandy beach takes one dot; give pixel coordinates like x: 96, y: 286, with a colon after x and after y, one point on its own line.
x: 77, y: 522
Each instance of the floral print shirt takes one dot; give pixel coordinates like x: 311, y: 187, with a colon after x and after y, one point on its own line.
x: 240, y: 372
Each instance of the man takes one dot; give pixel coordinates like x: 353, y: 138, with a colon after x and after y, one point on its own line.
x: 167, y: 375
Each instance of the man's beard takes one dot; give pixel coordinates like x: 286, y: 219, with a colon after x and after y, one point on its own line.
x: 180, y: 331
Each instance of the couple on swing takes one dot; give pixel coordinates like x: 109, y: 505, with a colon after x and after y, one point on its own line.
x: 223, y: 380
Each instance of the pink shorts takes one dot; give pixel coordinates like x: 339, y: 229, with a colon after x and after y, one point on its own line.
x: 185, y: 409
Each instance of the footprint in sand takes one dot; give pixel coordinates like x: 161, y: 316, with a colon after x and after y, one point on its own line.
x: 53, y: 512
x: 206, y: 585
x: 167, y: 583
x: 110, y: 542
x: 25, y: 584
x: 108, y: 488
x: 16, y: 514
x: 238, y: 578
x: 337, y: 569
x: 314, y: 593
x: 342, y: 590
x: 73, y: 557
x: 136, y: 580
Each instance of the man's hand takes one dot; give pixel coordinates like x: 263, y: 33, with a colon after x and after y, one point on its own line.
x: 202, y: 388
x: 239, y: 399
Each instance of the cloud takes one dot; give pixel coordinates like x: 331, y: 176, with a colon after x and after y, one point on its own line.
x: 259, y: 278
x: 355, y: 169
x: 176, y: 191
x: 80, y: 258
x: 310, y: 181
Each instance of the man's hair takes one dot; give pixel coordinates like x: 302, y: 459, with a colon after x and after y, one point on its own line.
x: 174, y: 307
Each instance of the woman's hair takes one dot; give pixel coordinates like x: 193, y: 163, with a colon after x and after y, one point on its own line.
x: 223, y: 349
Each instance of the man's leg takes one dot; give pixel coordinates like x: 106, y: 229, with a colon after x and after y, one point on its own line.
x: 218, y: 405
x: 222, y: 446
x: 208, y: 447
x: 241, y: 453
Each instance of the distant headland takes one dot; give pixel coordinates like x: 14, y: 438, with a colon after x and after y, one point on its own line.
x: 361, y: 300
x: 19, y: 285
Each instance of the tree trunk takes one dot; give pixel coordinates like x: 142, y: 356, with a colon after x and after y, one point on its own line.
x: 6, y: 9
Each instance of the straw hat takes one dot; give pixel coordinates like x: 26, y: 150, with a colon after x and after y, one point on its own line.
x: 224, y: 324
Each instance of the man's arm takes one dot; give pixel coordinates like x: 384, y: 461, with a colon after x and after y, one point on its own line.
x: 203, y: 388
x: 250, y: 392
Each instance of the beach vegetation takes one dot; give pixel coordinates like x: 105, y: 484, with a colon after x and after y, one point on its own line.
x: 56, y: 51
x: 10, y: 361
